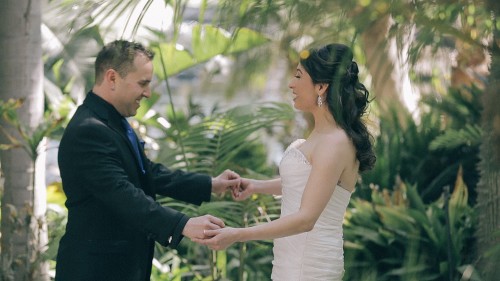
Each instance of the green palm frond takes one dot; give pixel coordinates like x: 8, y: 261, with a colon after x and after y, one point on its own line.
x: 459, y: 106
x: 470, y: 135
x: 210, y: 145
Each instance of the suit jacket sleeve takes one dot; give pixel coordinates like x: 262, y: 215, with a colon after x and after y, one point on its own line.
x: 189, y: 187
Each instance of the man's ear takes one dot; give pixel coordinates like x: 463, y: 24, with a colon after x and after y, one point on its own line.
x: 110, y: 77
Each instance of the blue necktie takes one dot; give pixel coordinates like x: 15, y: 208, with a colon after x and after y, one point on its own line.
x: 133, y: 140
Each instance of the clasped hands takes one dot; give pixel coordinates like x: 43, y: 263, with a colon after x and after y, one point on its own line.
x: 209, y: 230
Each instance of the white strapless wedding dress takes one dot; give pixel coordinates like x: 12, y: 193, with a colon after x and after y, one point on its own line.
x: 317, y: 254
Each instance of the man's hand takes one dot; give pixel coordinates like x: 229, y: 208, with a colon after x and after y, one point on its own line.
x: 228, y: 179
x: 196, y: 228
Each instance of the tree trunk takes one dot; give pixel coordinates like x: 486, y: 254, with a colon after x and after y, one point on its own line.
x: 390, y: 80
x: 23, y: 225
x: 488, y: 188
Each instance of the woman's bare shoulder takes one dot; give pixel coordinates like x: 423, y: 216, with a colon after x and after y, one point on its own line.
x: 335, y: 139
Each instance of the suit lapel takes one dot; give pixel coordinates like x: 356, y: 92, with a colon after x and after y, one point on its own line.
x: 108, y: 113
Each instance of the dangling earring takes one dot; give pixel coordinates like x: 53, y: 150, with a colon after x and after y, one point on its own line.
x: 320, y: 101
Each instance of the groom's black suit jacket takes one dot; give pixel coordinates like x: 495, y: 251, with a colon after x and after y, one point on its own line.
x: 113, y: 218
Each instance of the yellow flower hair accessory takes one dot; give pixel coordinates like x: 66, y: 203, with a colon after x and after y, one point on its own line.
x: 304, y: 54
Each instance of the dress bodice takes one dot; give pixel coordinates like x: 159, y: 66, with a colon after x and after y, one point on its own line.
x: 317, y: 254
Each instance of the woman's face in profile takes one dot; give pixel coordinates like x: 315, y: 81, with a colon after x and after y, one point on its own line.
x: 303, y: 90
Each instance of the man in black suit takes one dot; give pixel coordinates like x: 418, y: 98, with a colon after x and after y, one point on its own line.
x: 110, y: 184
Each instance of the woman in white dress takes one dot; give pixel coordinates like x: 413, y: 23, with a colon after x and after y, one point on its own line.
x: 317, y: 175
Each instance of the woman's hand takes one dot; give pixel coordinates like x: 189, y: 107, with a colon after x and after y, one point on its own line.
x: 220, y: 238
x: 244, y: 190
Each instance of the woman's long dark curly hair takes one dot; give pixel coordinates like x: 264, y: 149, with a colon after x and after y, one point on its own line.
x: 346, y: 97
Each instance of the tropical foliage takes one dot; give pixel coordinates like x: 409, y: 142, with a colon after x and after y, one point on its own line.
x: 429, y: 153
x: 395, y: 236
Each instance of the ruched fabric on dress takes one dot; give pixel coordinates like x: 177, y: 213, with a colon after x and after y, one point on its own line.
x: 317, y: 254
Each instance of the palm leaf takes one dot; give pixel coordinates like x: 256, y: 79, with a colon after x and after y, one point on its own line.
x: 470, y: 135
x: 207, y: 42
x: 211, y: 144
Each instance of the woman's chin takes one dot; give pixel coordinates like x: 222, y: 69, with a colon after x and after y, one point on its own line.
x: 295, y: 105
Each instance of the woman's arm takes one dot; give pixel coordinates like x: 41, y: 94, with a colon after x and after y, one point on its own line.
x: 328, y: 162
x: 250, y: 186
